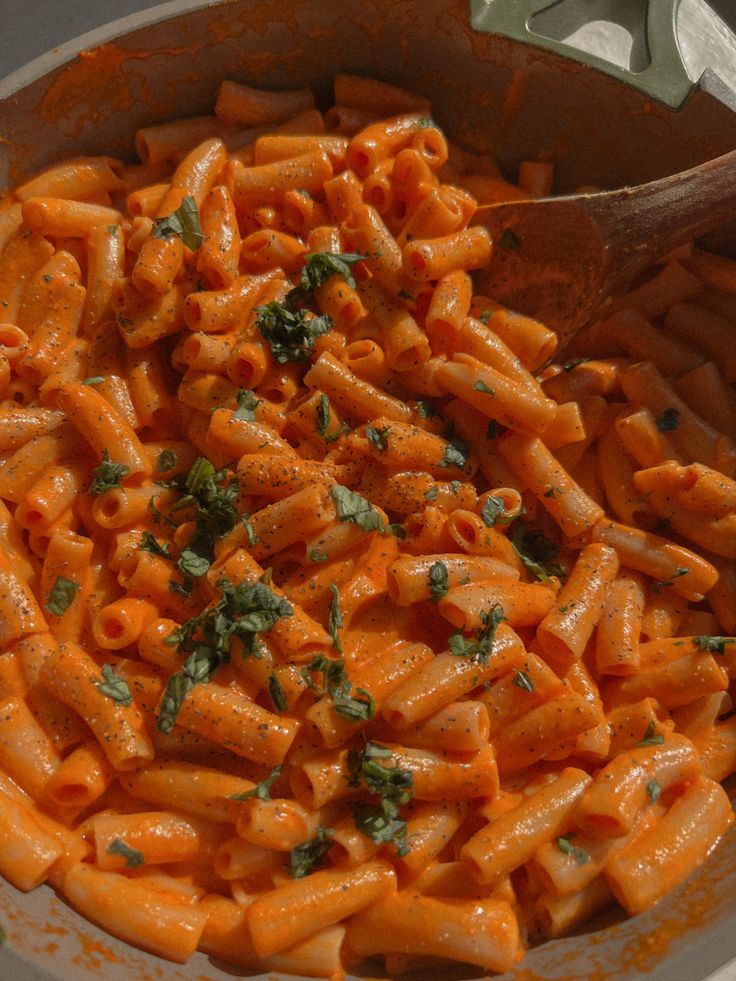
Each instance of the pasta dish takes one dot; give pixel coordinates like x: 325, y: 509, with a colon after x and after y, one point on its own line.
x: 338, y: 619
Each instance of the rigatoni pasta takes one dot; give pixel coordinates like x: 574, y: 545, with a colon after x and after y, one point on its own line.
x: 334, y: 621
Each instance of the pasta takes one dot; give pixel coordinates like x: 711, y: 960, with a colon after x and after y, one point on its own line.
x: 333, y: 624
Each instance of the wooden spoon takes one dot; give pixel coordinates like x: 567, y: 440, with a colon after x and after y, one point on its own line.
x: 558, y: 259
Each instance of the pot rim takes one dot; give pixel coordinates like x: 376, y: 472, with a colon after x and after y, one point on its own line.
x: 65, y: 53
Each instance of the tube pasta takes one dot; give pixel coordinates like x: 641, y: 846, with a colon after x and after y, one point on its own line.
x: 335, y: 621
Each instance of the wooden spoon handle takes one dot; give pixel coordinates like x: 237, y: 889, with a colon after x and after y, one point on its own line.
x: 643, y: 223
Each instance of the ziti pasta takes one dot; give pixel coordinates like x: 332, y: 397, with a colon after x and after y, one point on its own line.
x: 335, y: 620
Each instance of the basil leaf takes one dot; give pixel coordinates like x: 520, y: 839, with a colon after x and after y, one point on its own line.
x: 537, y: 552
x: 306, y: 857
x: 321, y: 266
x: 262, y: 790
x: 352, y: 507
x: 184, y: 223
x: 149, y: 543
x: 479, y: 648
x: 456, y: 454
x: 334, y: 618
x: 653, y: 791
x: 133, y: 858
x: 275, y: 690
x: 290, y: 333
x: 243, y: 611
x: 523, y: 681
x: 107, y: 475
x: 247, y: 405
x: 651, y: 736
x: 378, y: 437
x: 439, y: 582
x: 114, y: 686
x: 566, y: 846
x: 669, y: 420
x: 714, y: 645
x: 166, y: 460
x: 494, y: 512
x: 61, y: 596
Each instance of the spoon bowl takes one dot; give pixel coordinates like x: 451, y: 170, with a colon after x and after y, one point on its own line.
x: 558, y: 259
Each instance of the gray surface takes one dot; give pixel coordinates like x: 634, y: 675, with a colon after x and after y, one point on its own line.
x: 32, y: 27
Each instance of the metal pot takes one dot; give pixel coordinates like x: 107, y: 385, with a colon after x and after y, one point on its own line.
x: 500, y: 79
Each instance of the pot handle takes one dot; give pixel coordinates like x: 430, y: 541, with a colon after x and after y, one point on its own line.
x: 665, y: 78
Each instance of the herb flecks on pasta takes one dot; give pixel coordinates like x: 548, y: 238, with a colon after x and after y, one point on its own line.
x: 338, y: 619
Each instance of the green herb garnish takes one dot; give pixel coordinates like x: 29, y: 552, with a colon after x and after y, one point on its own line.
x: 439, y: 581
x: 479, y: 647
x: 114, y: 686
x: 107, y: 475
x: 184, y: 223
x: 306, y: 857
x: 133, y: 858
x: 61, y: 596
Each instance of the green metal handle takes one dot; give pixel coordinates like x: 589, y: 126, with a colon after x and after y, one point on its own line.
x: 664, y: 79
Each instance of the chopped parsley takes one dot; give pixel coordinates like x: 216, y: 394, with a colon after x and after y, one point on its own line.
x: 565, y: 845
x: 133, y: 858
x: 114, y: 686
x: 431, y: 494
x: 485, y: 315
x: 316, y: 556
x: 243, y: 611
x: 669, y: 420
x: 94, y: 380
x: 439, y: 581
x: 107, y: 475
x: 61, y: 596
x: 310, y: 854
x: 356, y: 509
x: 479, y: 648
x: 480, y: 386
x: 184, y: 223
x: 425, y: 409
x: 262, y: 790
x: 393, y: 786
